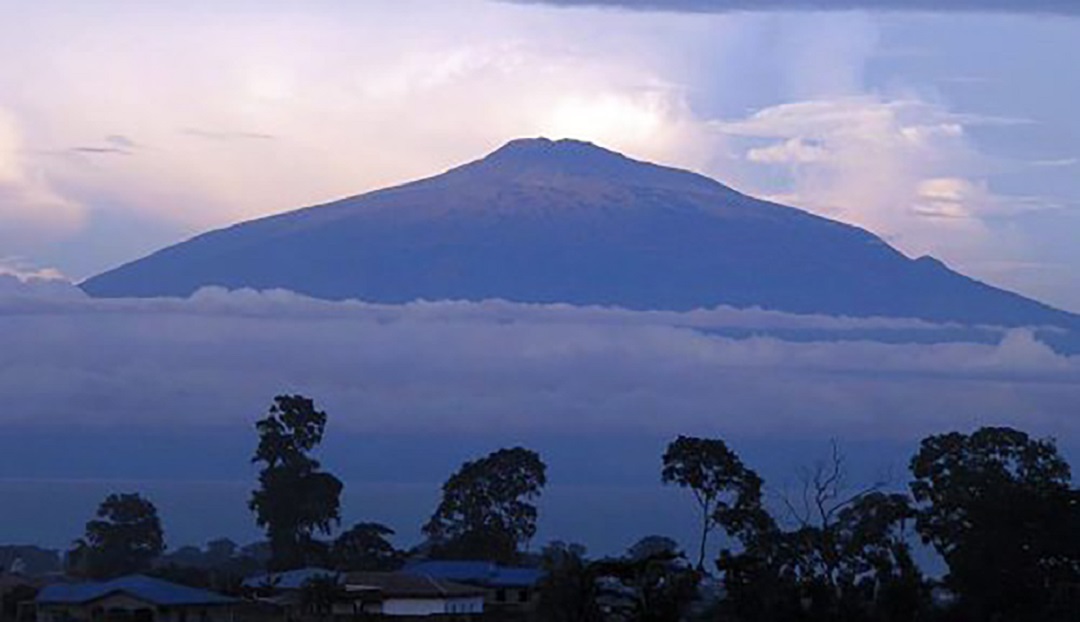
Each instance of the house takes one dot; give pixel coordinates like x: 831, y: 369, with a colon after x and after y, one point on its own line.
x: 279, y: 596
x: 508, y: 590
x: 406, y: 596
x: 133, y: 598
x: 16, y: 591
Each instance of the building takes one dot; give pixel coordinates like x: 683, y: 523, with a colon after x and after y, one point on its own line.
x: 17, y: 591
x: 404, y: 595
x: 508, y: 590
x: 134, y: 598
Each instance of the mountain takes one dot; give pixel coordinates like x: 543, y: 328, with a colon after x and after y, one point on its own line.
x: 567, y: 221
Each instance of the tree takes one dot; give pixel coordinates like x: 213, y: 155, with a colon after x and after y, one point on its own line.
x: 568, y: 590
x: 993, y: 504
x: 651, y: 583
x: 295, y: 499
x: 486, y: 510
x: 847, y: 556
x: 725, y: 490
x: 125, y: 538
x: 365, y: 547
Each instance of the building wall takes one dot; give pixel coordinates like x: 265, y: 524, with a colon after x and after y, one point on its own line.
x: 196, y: 613
x: 432, y: 606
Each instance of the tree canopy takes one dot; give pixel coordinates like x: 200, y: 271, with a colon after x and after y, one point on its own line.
x: 725, y: 489
x: 997, y: 505
x: 486, y: 510
x: 295, y: 498
x: 125, y: 538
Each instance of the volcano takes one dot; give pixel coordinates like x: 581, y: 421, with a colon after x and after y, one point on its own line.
x: 566, y: 221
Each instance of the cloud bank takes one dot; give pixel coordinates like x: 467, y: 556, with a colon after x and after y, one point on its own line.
x: 1059, y: 7
x: 214, y: 360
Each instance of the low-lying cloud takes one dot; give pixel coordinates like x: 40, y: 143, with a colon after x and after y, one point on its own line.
x: 463, y: 368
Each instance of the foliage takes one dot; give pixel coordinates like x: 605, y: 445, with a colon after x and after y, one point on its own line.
x: 723, y: 487
x: 365, y: 547
x: 486, y: 510
x: 847, y: 557
x: 997, y: 505
x: 652, y: 583
x: 295, y: 499
x: 125, y: 538
x: 568, y: 591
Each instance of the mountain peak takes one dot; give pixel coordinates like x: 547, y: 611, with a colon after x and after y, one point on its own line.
x: 566, y: 153
x: 543, y: 160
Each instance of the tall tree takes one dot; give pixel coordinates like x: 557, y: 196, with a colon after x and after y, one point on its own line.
x: 725, y: 490
x: 486, y: 510
x: 993, y: 504
x: 295, y: 498
x: 125, y: 537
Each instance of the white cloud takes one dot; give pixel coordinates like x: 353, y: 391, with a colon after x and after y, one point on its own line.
x: 346, y: 100
x: 215, y: 359
x: 29, y: 207
x: 904, y: 168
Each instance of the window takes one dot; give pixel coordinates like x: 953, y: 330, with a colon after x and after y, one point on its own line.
x: 500, y: 595
x: 523, y: 596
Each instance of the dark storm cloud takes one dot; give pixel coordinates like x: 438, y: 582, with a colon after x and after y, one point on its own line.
x: 1057, y: 7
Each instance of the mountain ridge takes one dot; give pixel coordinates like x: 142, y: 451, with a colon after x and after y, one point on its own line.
x: 567, y: 221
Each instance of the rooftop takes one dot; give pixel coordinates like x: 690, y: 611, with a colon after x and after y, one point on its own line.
x: 483, y: 573
x: 407, y: 585
x: 149, y: 589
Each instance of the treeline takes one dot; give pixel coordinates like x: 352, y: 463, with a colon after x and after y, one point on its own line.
x: 997, y: 505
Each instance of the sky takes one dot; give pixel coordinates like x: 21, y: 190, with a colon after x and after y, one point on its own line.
x: 125, y: 127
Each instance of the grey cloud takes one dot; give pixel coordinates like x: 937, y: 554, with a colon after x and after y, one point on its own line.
x: 460, y: 368
x: 1054, y: 7
x: 101, y: 150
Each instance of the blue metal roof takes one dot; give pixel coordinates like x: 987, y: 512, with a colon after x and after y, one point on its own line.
x: 291, y: 579
x: 149, y: 589
x: 478, y: 573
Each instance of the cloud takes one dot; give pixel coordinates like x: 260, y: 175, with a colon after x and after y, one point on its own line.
x: 462, y: 368
x: 24, y: 270
x: 1052, y: 7
x: 30, y: 208
x: 268, y: 109
x: 904, y: 168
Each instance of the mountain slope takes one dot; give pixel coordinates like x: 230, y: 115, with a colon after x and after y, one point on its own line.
x: 566, y: 221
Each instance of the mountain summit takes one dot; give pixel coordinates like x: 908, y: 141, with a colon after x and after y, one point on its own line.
x: 567, y: 221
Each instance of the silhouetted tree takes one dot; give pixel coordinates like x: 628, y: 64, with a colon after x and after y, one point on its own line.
x: 366, y: 547
x: 125, y: 538
x: 569, y: 590
x: 295, y: 499
x: 997, y: 505
x: 718, y: 479
x: 660, y: 584
x: 847, y: 558
x: 486, y: 510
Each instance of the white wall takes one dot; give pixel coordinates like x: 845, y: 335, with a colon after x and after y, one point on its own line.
x: 432, y: 606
